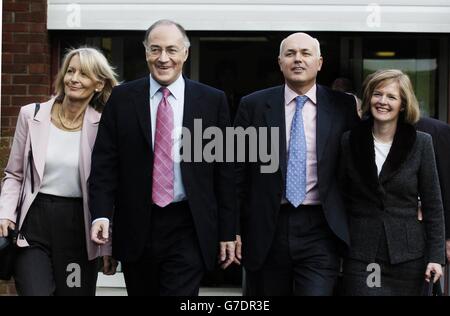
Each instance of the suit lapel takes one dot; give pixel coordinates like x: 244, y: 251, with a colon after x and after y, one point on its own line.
x: 88, y: 134
x: 275, y: 117
x: 39, y: 133
x: 363, y: 152
x: 192, y: 109
x: 324, y: 121
x: 191, y: 105
x: 402, y: 145
x: 141, y: 100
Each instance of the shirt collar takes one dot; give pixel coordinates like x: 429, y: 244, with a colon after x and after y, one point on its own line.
x: 290, y: 95
x: 176, y: 88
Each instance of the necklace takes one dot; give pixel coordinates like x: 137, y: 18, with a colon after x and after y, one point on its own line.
x: 69, y: 128
x: 379, y: 141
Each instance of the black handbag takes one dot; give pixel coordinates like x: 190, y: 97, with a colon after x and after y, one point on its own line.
x: 8, y: 245
x: 432, y: 289
x: 8, y: 251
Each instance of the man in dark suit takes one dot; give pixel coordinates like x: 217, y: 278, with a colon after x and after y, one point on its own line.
x: 170, y: 217
x: 293, y: 221
x: 440, y: 133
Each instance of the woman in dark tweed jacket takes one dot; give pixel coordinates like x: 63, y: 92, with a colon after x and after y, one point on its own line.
x: 386, y: 168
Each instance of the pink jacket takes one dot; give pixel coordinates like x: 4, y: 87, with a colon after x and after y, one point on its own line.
x: 35, y: 132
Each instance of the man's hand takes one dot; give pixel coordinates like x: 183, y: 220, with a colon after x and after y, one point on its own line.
x: 100, y: 232
x: 109, y: 265
x: 226, y: 255
x: 238, y: 251
x: 436, y: 268
x: 4, y: 224
x: 447, y: 249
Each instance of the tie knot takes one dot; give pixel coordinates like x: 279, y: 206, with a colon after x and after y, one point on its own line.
x: 164, y: 91
x: 301, y: 100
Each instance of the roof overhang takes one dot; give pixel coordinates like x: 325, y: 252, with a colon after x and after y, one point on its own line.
x: 432, y: 16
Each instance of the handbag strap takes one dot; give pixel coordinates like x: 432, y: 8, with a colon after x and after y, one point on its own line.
x: 434, y: 289
x: 431, y: 285
x: 20, y: 202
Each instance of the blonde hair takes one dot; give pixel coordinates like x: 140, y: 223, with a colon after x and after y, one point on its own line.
x: 411, y: 113
x: 95, y: 66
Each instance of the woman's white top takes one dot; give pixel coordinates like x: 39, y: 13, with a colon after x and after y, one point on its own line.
x: 381, y: 153
x: 61, y: 172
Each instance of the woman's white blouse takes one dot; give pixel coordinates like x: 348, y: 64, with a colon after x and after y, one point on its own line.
x: 61, y: 172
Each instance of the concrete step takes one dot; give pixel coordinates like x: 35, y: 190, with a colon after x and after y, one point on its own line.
x: 204, y: 291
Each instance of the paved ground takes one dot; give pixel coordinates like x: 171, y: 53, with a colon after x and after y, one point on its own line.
x: 204, y: 291
x: 115, y: 286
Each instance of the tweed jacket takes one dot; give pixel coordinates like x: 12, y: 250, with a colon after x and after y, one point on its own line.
x: 383, y: 209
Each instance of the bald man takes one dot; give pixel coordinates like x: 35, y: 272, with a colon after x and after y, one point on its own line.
x: 293, y: 222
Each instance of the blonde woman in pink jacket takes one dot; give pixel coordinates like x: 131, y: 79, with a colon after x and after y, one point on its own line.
x: 56, y: 255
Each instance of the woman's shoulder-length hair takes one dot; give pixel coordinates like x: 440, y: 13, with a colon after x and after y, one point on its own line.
x: 95, y: 65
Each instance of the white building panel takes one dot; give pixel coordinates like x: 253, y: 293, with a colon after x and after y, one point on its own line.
x: 254, y: 15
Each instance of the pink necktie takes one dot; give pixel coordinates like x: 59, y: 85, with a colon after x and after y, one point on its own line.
x: 162, y: 191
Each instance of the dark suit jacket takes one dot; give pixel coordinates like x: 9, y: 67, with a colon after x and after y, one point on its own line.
x: 260, y: 194
x: 122, y: 163
x: 440, y: 132
x: 385, y: 206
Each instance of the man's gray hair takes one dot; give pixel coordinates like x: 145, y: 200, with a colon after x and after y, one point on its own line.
x: 186, y: 41
x: 314, y: 39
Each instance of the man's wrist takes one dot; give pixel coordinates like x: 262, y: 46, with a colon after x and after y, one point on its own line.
x: 100, y: 219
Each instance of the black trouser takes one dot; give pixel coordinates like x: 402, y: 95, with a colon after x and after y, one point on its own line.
x: 303, y: 259
x: 172, y: 263
x: 56, y: 262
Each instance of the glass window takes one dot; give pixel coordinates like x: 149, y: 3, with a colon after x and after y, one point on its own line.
x: 415, y: 56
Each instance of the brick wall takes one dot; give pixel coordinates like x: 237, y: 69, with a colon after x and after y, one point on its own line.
x: 25, y: 71
x: 7, y: 288
x: 25, y: 58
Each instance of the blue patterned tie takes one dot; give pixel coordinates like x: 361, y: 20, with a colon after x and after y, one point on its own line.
x: 296, y: 170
